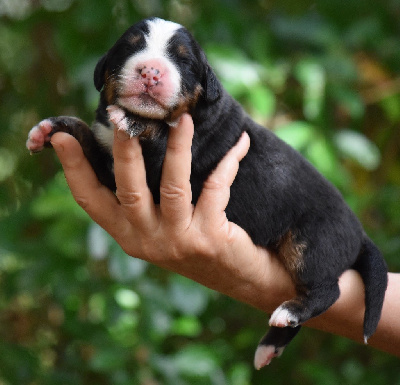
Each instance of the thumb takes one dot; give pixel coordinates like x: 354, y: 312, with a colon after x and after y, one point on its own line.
x: 97, y: 200
x: 77, y: 169
x: 68, y: 150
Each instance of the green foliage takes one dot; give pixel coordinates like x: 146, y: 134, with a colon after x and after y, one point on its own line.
x: 74, y: 309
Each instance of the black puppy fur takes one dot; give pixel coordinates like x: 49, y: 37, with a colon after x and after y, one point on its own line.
x: 278, y: 197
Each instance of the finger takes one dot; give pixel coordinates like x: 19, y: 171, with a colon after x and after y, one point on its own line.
x: 97, y: 200
x: 175, y: 189
x: 130, y: 178
x: 216, y: 190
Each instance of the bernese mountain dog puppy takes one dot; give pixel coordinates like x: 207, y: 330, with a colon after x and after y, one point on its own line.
x: 153, y: 74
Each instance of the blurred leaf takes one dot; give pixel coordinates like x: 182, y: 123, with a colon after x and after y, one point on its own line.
x: 306, y: 29
x: 7, y: 163
x: 57, y: 201
x: 319, y: 373
x: 237, y: 73
x: 352, y: 372
x: 124, y: 268
x: 240, y: 375
x: 108, y: 358
x: 17, y: 374
x: 124, y: 329
x: 305, y: 138
x: 127, y: 299
x: 350, y: 101
x: 196, y: 360
x: 98, y: 242
x: 56, y: 5
x: 97, y: 308
x: 320, y: 153
x: 15, y: 53
x: 186, y: 326
x: 297, y: 134
x: 357, y: 147
x: 262, y: 101
x: 312, y: 76
x: 391, y: 105
x: 187, y: 296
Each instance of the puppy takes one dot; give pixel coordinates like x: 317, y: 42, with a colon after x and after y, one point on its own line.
x: 155, y: 72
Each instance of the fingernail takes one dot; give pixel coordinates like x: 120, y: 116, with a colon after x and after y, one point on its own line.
x: 123, y: 135
x: 57, y: 146
x: 244, y: 136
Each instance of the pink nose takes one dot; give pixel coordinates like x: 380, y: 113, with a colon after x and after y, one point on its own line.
x: 151, y: 75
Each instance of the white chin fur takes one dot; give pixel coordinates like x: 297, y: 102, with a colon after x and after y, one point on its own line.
x: 146, y: 109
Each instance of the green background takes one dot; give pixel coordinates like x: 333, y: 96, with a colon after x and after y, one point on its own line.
x: 74, y: 309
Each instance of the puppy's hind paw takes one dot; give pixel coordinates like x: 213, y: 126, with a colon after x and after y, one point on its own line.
x: 265, y: 354
x: 282, y: 317
x: 39, y: 135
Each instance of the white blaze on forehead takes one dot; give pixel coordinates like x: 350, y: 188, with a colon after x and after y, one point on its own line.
x: 161, y: 31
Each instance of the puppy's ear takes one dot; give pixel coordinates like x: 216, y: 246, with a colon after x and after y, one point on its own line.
x: 99, y: 73
x: 211, y: 85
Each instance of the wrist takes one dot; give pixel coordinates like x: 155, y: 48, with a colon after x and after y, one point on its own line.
x: 269, y: 286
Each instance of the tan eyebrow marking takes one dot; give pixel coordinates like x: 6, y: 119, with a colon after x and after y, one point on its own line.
x: 182, y: 50
x: 133, y: 39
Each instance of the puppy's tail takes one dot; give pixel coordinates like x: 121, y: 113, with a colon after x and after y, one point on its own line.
x: 373, y: 270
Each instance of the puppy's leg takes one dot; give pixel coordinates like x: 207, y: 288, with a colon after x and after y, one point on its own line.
x: 273, y: 344
x: 316, y: 279
x: 313, y: 300
x: 101, y: 161
x: 39, y: 136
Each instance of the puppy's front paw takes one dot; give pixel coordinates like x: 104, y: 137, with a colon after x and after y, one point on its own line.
x: 39, y: 135
x: 283, y: 317
x: 120, y: 121
x: 127, y: 124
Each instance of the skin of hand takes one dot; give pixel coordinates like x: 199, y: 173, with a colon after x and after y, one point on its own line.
x: 199, y: 242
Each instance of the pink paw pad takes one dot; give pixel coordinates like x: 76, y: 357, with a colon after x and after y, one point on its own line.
x: 118, y: 118
x: 39, y: 135
x: 265, y: 354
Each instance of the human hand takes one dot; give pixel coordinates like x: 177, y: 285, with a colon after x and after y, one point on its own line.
x: 197, y: 242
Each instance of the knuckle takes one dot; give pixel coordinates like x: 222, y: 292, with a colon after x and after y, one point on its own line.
x: 159, y: 253
x: 83, y: 202
x: 213, y: 183
x: 204, y: 243
x: 127, y: 152
x: 176, y: 146
x: 172, y: 191
x: 175, y: 253
x: 202, y: 247
x: 129, y: 198
x: 74, y: 163
x: 166, y: 245
x: 126, y: 157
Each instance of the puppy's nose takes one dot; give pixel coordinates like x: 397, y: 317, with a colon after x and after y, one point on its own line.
x: 151, y: 75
